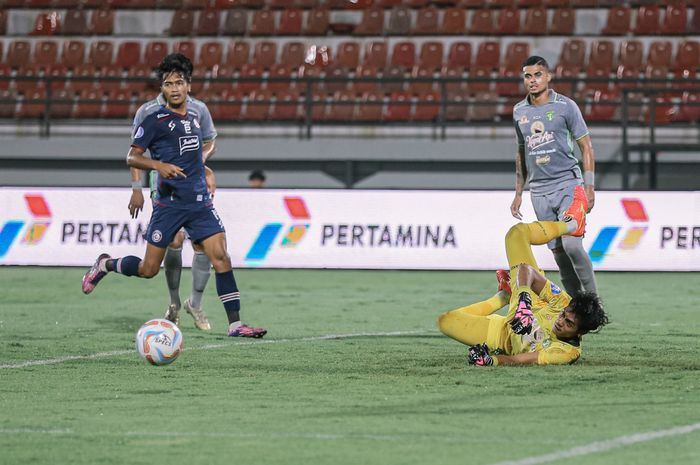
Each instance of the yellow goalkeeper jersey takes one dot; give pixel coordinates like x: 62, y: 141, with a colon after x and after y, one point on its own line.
x: 551, y: 351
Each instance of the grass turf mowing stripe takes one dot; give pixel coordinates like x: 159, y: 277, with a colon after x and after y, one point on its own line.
x: 116, y: 353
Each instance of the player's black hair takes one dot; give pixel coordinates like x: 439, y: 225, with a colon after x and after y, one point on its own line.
x: 175, y: 63
x: 589, y: 312
x: 257, y: 174
x: 536, y: 60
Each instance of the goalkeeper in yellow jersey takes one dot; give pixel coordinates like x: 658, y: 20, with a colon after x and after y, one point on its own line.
x: 544, y: 325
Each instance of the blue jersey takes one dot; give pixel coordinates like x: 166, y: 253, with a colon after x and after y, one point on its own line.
x: 175, y: 139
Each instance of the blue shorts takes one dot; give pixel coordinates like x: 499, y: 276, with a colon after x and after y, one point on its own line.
x: 167, y: 221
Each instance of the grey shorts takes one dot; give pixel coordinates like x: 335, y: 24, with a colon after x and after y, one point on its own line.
x: 551, y: 206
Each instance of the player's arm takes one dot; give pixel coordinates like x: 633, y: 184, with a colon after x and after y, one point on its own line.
x: 588, y: 158
x: 135, y: 159
x: 208, y: 150
x: 519, y: 182
x: 529, y: 358
x: 479, y: 355
x: 136, y: 200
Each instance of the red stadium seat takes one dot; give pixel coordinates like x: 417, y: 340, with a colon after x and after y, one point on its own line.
x: 225, y: 107
x: 235, y: 23
x: 317, y: 22
x: 453, y: 21
x: 155, y: 52
x: 660, y: 53
x: 457, y: 108
x: 688, y: 55
x: 694, y: 26
x: 128, y: 54
x: 426, y: 22
x: 483, y: 107
x: 139, y: 77
x: 117, y: 105
x: 254, y: 75
x: 59, y: 77
x: 26, y: 79
x: 61, y: 104
x: 618, y: 22
x: 210, y: 54
x: 375, y: 54
x: 604, y: 107
x: 18, y: 53
x: 342, y: 107
x: 8, y: 103
x: 535, y: 21
x: 110, y: 78
x: 573, y: 53
x: 675, y: 20
x: 348, y: 55
x: 336, y: 78
x: 238, y: 54
x: 427, y: 107
x: 83, y: 78
x: 421, y: 72
x: 263, y: 23
x: 371, y: 24
x: 187, y: 48
x: 318, y: 107
x: 404, y: 55
x: 456, y: 75
x: 567, y: 71
x: 101, y: 53
x: 221, y: 80
x: 689, y: 109
x: 293, y: 54
x: 656, y: 73
x: 208, y: 23
x: 647, y: 20
x: 102, y: 22
x: 258, y: 107
x: 75, y: 23
x: 603, y: 76
x: 47, y: 24
x: 563, y: 22
x: 431, y: 55
x: 182, y: 23
x: 369, y: 73
x: 45, y: 53
x: 290, y: 22
x: 508, y: 22
x: 509, y: 88
x: 631, y: 76
x: 631, y: 53
x: 481, y: 86
x: 516, y: 54
x: 602, y: 55
x: 3, y: 22
x: 399, y: 21
x: 528, y: 3
x: 33, y: 105
x: 394, y: 78
x: 73, y: 53
x: 488, y: 54
x: 198, y: 82
x: 460, y: 54
x: 398, y: 107
x: 481, y: 22
x: 286, y: 106
x: 280, y: 78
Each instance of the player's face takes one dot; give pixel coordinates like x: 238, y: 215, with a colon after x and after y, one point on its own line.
x: 566, y: 325
x: 536, y: 79
x: 175, y: 89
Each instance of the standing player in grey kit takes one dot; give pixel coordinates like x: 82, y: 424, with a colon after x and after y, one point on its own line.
x: 547, y: 124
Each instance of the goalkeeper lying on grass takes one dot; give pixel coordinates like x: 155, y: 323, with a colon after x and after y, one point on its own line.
x: 544, y: 325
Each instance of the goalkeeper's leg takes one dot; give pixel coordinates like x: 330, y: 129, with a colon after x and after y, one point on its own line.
x: 475, y: 324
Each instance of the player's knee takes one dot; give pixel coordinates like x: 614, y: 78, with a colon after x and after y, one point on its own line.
x: 444, y: 322
x: 572, y: 244
x: 220, y: 261
x: 148, y: 271
x: 515, y: 232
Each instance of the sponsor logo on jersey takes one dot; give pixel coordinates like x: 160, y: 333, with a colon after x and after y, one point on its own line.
x: 171, y: 125
x: 539, y: 137
x: 161, y: 115
x: 188, y: 144
x: 523, y: 120
x: 187, y: 125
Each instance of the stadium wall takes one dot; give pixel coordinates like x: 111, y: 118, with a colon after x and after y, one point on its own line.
x: 363, y: 229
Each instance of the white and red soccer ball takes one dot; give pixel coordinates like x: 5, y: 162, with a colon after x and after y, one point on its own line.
x: 159, y: 341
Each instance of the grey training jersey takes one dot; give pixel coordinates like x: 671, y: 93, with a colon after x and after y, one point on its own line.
x: 547, y: 133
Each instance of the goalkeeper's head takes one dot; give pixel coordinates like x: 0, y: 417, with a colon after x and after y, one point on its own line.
x: 584, y: 314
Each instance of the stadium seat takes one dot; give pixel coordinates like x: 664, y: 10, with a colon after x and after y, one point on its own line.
x: 535, y: 22
x: 210, y: 54
x: 336, y: 79
x: 431, y: 55
x: 317, y: 22
x: 220, y: 80
x: 250, y: 78
x: 456, y: 75
x: 101, y: 53
x: 662, y: 110
x: 508, y: 22
x: 660, y: 53
x: 293, y: 55
x: 47, y: 24
x: 8, y: 103
x: 618, y: 21
x: 235, y: 23
x: 102, y: 22
x: 286, y: 106
x: 688, y: 56
x: 61, y: 104
x: 398, y: 107
x: 460, y: 54
x: 199, y: 81
x: 483, y: 107
x: 208, y: 23
x: 83, y: 78
x: 75, y: 23
x: 226, y: 106
x: 290, y: 22
x: 318, y: 56
x: 399, y: 21
x: 426, y: 107
x: 516, y: 54
x: 73, y: 53
x: 573, y: 53
x: 263, y: 23
x: 371, y: 24
x: 629, y: 74
x: 656, y: 73
x: 481, y: 22
x: 318, y: 107
x: 557, y: 3
x: 238, y: 54
x: 453, y: 21
x: 3, y: 22
x: 484, y: 84
x: 57, y: 77
x: 369, y: 84
x: 128, y: 54
x: 421, y: 72
x: 602, y: 55
x: 26, y: 79
x: 117, y: 105
x: 563, y: 72
x: 563, y: 22
x: 394, y: 79
x: 33, y: 104
x: 631, y: 53
x: 139, y: 77
x: 602, y: 81
x: 488, y: 54
x: 528, y: 3
x: 187, y: 48
x: 348, y: 55
x: 45, y: 53
x: 604, y: 107
x: 89, y: 104
x: 404, y: 55
x: 426, y: 22
x: 647, y: 20
x: 457, y: 109
x: 675, y: 20
x: 342, y: 107
x: 182, y: 23
x: 18, y: 53
x: 280, y: 78
x: 110, y: 78
x: 689, y: 108
x: 694, y: 25
x: 155, y: 52
x: 509, y: 89
x: 375, y: 54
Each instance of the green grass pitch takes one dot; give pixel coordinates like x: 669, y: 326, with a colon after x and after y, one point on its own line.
x: 388, y: 390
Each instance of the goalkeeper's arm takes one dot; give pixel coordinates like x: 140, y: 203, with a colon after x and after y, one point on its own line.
x: 529, y: 358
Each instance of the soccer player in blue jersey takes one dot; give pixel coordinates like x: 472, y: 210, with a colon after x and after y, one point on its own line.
x: 172, y: 263
x: 174, y: 137
x: 546, y: 125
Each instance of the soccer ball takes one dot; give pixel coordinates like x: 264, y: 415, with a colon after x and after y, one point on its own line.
x: 159, y: 341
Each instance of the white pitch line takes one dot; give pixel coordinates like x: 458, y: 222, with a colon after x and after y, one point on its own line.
x: 116, y: 353
x: 603, y: 446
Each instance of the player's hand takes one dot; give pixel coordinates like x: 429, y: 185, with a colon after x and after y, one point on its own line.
x: 479, y: 355
x: 168, y: 171
x: 523, y: 319
x: 515, y: 207
x: 210, y: 180
x: 590, y: 195
x: 135, y: 203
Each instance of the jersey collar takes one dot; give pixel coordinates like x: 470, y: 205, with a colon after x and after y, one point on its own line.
x: 161, y: 100
x: 552, y: 97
